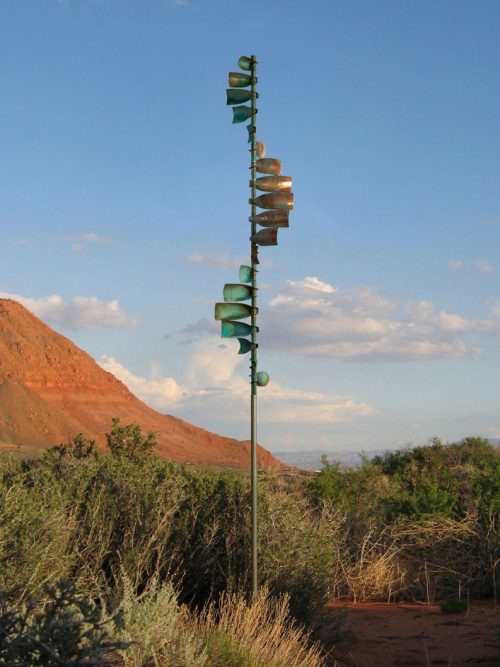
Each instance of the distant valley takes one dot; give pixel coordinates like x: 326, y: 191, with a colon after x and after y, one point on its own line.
x: 312, y: 459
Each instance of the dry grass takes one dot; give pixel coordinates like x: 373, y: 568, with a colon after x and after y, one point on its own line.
x: 259, y: 633
x: 375, y: 573
x: 441, y: 558
x: 430, y: 560
x: 232, y: 632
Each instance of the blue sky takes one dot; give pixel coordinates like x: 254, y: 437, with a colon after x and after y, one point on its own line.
x: 123, y: 207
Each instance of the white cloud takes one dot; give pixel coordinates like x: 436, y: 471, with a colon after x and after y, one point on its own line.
x: 313, y: 318
x: 213, y: 364
x: 82, y: 312
x: 212, y: 376
x: 454, y: 322
x: 160, y: 393
x: 455, y: 264
x: 483, y: 266
x: 212, y: 385
x: 313, y: 283
x: 278, y: 404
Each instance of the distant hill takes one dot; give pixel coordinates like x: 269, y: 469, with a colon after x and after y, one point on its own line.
x: 50, y: 390
x: 311, y: 460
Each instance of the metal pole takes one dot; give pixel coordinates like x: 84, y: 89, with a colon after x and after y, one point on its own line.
x: 253, y: 355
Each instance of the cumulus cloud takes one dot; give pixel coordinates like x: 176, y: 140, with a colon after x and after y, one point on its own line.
x: 484, y: 267
x: 212, y: 382
x: 212, y: 375
x: 81, y: 312
x: 160, y: 393
x: 313, y: 318
x: 212, y: 365
x: 279, y: 404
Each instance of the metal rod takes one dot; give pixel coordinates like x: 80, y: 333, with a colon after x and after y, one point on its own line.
x: 253, y: 355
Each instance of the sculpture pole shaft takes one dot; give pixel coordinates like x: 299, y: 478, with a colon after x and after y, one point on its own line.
x: 253, y: 356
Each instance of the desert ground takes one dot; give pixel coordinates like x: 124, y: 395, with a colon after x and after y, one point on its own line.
x: 409, y: 634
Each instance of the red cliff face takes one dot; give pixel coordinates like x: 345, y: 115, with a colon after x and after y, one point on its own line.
x: 50, y: 390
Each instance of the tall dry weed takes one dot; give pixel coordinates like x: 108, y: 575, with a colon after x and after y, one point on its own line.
x: 442, y: 558
x: 374, y: 571
x: 259, y: 633
x: 432, y: 559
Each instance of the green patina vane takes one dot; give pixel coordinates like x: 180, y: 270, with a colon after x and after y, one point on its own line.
x: 237, y: 292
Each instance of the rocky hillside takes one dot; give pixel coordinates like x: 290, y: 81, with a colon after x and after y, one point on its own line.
x: 50, y: 390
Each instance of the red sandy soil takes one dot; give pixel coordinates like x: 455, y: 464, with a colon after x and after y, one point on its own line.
x: 50, y: 390
x: 386, y: 635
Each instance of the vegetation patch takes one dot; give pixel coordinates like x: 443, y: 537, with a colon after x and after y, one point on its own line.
x: 155, y: 556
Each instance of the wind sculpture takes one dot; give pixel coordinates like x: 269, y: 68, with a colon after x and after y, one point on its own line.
x: 277, y: 201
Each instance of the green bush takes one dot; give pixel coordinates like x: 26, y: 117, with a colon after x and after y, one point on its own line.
x: 129, y: 441
x: 156, y: 629
x: 67, y: 630
x: 36, y: 528
x: 454, y: 605
x: 298, y: 551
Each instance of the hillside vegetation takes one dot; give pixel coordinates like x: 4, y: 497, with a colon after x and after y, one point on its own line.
x: 148, y: 561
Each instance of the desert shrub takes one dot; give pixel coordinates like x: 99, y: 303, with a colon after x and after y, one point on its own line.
x: 454, y: 605
x: 130, y: 442
x: 486, y: 490
x: 355, y: 492
x: 453, y: 480
x: 210, y: 535
x: 429, y: 560
x: 85, y: 518
x: 156, y: 629
x: 35, y: 529
x: 298, y: 550
x: 79, y: 447
x: 124, y: 514
x: 152, y: 629
x: 442, y: 558
x: 418, y: 523
x: 66, y: 629
x: 90, y: 518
